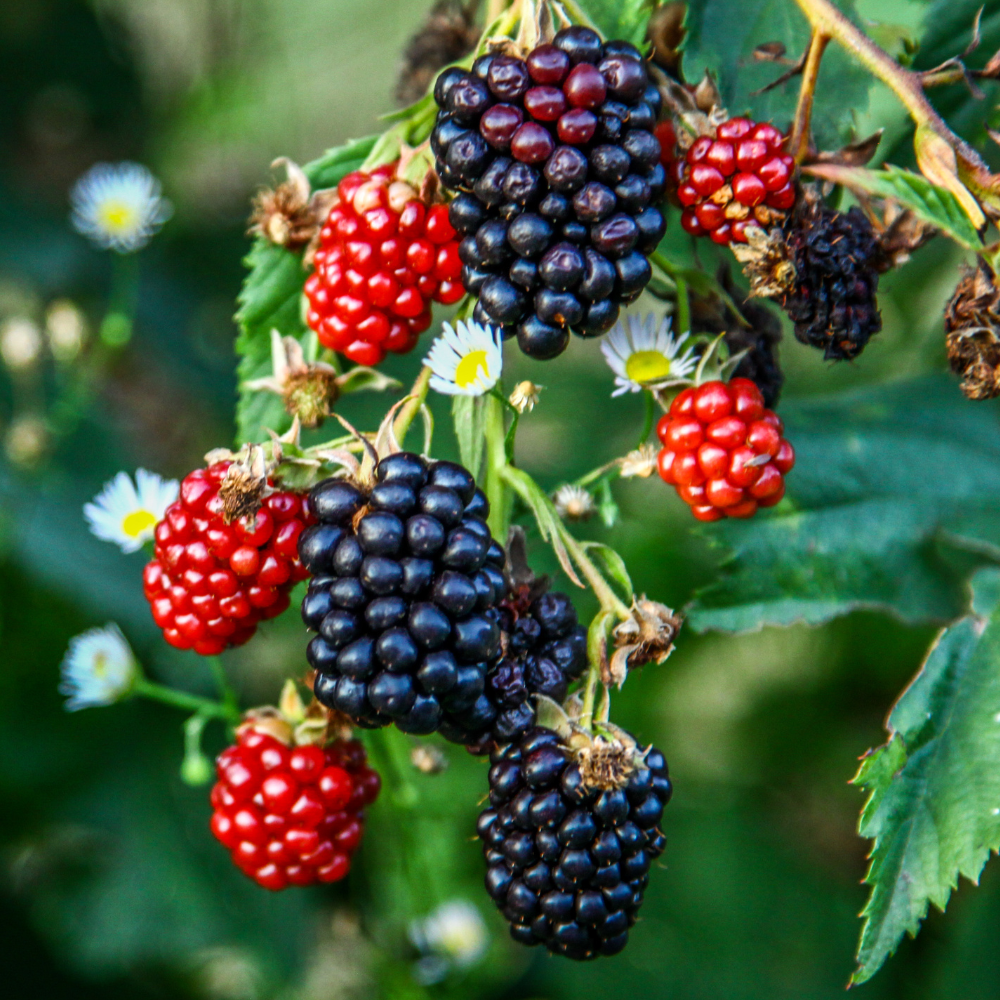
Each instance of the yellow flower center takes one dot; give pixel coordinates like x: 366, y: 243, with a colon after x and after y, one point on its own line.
x: 647, y: 366
x: 138, y: 523
x: 117, y: 216
x: 100, y: 664
x: 467, y: 370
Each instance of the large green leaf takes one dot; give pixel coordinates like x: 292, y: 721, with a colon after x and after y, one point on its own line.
x: 722, y: 36
x: 270, y: 299
x: 893, y: 500
x: 932, y: 810
x: 626, y: 19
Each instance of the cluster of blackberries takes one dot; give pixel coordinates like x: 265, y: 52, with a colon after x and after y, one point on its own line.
x: 560, y: 175
x: 569, y: 861
x: 833, y: 302
x: 545, y: 650
x: 405, y: 585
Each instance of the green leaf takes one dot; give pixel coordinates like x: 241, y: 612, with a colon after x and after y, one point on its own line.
x: 892, y: 504
x: 270, y: 299
x: 613, y: 565
x: 468, y: 417
x: 624, y: 19
x: 934, y: 787
x: 722, y: 36
x: 927, y: 201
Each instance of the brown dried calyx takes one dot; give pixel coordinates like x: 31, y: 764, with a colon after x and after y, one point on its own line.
x: 607, y: 762
x: 448, y: 34
x: 291, y: 214
x: 646, y: 636
x: 245, y: 484
x: 972, y: 325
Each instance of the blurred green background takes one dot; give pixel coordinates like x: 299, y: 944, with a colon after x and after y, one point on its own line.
x: 110, y: 884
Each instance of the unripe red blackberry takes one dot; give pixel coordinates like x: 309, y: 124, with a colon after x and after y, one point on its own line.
x: 723, y: 450
x: 569, y: 837
x: 559, y: 176
x: 545, y: 650
x: 740, y: 178
x: 291, y: 815
x: 210, y: 581
x: 383, y: 257
x: 406, y: 583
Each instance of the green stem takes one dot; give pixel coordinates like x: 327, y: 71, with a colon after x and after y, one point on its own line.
x: 647, y: 424
x: 222, y: 684
x: 682, y: 325
x: 496, y: 462
x: 409, y: 411
x: 144, y: 688
x: 597, y: 642
x: 596, y: 474
x: 116, y: 327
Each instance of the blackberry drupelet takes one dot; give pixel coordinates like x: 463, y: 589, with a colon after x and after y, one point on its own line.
x: 832, y: 301
x: 569, y: 844
x: 544, y: 652
x: 559, y: 176
x: 406, y: 580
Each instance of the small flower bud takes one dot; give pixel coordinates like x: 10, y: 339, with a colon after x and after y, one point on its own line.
x: 66, y: 329
x: 428, y: 759
x: 525, y: 396
x: 573, y: 503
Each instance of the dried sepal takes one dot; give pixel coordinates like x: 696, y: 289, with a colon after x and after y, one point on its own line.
x: 245, y: 486
x: 972, y: 325
x: 291, y: 214
x: 767, y: 262
x: 639, y: 463
x: 646, y: 636
x: 608, y: 759
x: 899, y: 232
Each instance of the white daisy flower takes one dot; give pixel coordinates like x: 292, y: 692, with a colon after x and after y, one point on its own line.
x: 126, y: 513
x: 119, y: 206
x: 646, y: 356
x: 454, y: 934
x: 466, y: 360
x: 99, y: 668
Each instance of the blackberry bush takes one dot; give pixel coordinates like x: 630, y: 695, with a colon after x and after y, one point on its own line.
x: 558, y: 177
x: 406, y: 580
x: 569, y: 837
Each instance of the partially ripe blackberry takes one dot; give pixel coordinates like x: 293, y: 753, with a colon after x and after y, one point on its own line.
x: 558, y: 177
x: 545, y: 650
x: 406, y: 579
x: 832, y: 301
x: 569, y: 838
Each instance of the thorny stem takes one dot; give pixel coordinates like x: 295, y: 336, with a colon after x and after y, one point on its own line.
x: 411, y: 408
x: 798, y: 141
x: 144, y: 688
x: 596, y: 474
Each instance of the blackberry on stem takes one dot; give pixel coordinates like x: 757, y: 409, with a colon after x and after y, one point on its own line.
x: 558, y: 175
x: 569, y: 837
x: 406, y: 579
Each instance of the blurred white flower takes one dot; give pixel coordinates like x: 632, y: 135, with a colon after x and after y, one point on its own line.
x: 466, y: 360
x: 119, y: 206
x: 66, y: 329
x: 524, y: 398
x: 573, y: 503
x: 99, y: 668
x: 453, y: 935
x: 20, y: 343
x: 126, y: 513
x: 646, y: 356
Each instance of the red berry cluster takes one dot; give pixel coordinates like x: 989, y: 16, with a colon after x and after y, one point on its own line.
x: 730, y: 182
x: 383, y: 256
x: 210, y: 582
x: 291, y: 815
x: 723, y: 450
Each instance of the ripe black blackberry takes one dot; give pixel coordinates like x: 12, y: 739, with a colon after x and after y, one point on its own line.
x: 569, y: 838
x: 832, y: 301
x: 545, y: 650
x: 559, y: 177
x: 406, y: 583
